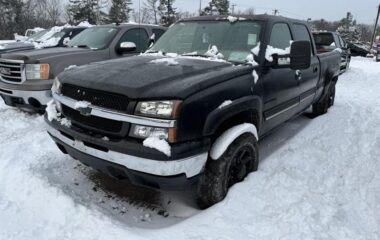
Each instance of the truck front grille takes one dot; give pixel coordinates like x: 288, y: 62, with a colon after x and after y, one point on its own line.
x: 96, y: 98
x: 92, y: 122
x: 11, y: 71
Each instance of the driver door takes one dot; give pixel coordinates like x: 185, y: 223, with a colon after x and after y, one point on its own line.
x: 281, y: 85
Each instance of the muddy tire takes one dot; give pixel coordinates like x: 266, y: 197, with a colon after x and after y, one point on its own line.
x: 240, y: 159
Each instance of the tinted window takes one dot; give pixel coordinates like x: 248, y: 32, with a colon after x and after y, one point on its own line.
x: 281, y: 36
x: 138, y: 36
x: 158, y: 33
x: 301, y: 33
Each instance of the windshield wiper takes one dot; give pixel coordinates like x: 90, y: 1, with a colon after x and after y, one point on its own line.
x: 155, y: 51
x: 81, y: 46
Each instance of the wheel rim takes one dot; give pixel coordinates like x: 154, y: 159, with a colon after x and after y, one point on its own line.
x: 240, y: 166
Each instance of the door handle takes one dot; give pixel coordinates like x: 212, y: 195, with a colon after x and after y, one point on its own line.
x: 315, y: 69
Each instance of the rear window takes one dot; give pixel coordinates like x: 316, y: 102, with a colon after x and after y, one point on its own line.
x: 324, y: 39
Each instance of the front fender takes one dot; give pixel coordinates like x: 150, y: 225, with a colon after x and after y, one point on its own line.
x: 218, y: 116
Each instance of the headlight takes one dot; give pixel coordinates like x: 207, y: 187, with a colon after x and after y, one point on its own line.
x: 163, y: 109
x: 37, y: 71
x: 56, y: 88
x: 144, y: 132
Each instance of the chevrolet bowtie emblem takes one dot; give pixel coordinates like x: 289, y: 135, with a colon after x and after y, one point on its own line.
x: 85, y: 111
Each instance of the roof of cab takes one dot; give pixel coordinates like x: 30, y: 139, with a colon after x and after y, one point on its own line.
x: 259, y: 17
x: 128, y: 25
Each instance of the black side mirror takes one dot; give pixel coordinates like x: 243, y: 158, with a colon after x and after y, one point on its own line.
x: 300, y: 55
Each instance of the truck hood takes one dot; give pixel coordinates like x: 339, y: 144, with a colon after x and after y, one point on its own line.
x: 43, y: 55
x: 16, y: 46
x: 152, y: 77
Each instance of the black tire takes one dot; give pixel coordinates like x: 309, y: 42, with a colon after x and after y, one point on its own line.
x: 240, y: 159
x: 323, y: 106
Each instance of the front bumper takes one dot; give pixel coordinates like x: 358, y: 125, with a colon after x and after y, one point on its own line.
x: 34, y: 96
x: 142, y: 166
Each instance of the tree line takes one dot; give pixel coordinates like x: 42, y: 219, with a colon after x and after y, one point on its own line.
x: 18, y: 15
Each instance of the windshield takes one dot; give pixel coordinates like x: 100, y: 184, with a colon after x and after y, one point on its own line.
x: 94, y: 38
x: 38, y: 35
x: 233, y: 40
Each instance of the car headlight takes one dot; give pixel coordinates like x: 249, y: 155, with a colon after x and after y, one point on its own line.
x: 144, y: 132
x: 37, y: 71
x: 56, y: 88
x: 160, y: 109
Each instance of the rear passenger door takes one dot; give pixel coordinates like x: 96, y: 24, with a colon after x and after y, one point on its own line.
x: 308, y: 78
x: 281, y: 90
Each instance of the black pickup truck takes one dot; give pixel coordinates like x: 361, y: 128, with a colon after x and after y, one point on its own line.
x: 191, y: 110
x: 26, y: 77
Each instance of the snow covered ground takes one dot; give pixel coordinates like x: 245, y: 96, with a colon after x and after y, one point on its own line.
x: 318, y: 179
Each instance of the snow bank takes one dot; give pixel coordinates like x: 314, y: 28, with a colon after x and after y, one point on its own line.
x: 158, y: 144
x: 85, y: 24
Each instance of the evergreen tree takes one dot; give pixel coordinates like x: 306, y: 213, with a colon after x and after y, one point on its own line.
x: 84, y: 10
x: 167, y: 12
x: 217, y: 7
x: 119, y: 11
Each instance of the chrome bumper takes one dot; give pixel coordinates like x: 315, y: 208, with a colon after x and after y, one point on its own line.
x: 190, y: 166
x: 42, y: 96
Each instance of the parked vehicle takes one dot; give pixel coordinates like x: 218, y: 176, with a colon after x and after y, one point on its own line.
x: 27, y: 77
x: 378, y: 53
x: 330, y: 41
x: 186, y: 114
x: 43, y: 39
x: 359, y: 49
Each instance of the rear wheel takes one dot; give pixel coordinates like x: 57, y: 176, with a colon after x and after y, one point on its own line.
x: 323, y: 106
x: 232, y: 167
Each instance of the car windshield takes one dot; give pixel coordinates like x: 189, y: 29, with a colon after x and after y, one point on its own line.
x: 38, y: 35
x: 94, y: 38
x: 233, y: 40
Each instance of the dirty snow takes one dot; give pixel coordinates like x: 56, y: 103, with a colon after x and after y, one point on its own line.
x: 51, y: 111
x: 221, y: 144
x: 255, y: 76
x: 81, y: 104
x: 167, y: 61
x: 159, y: 144
x: 225, y: 104
x: 318, y: 179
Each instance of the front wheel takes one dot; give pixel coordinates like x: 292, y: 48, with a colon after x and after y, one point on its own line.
x: 232, y: 167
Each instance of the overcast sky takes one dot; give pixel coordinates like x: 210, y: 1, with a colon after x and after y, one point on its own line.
x: 363, y: 10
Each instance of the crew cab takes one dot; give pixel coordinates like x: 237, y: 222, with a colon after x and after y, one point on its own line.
x: 27, y: 77
x: 331, y: 41
x: 44, y: 39
x: 191, y: 110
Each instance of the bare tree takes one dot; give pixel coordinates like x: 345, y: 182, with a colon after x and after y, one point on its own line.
x: 151, y: 7
x: 54, y: 11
